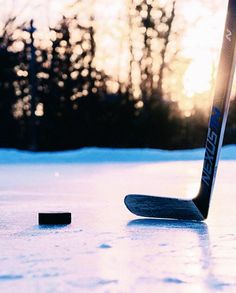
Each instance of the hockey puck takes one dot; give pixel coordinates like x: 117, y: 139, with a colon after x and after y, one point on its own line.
x: 54, y: 218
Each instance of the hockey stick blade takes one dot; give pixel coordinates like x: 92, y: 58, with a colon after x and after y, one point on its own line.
x: 163, y: 207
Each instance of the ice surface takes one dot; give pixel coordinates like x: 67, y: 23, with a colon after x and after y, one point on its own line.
x: 106, y: 248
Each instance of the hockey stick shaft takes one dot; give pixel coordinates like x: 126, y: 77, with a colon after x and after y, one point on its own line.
x: 220, y: 109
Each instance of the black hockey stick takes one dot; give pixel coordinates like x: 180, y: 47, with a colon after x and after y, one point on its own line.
x: 198, y: 207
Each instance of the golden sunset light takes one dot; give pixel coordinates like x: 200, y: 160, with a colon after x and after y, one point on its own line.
x: 200, y: 44
x: 199, y: 40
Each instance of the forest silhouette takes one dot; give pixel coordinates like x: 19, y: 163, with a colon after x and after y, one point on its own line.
x: 55, y: 97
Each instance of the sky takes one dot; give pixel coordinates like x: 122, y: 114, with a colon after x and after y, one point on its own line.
x: 201, y: 40
x: 44, y: 12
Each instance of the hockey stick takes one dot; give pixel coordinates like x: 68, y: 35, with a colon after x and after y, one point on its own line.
x: 198, y: 207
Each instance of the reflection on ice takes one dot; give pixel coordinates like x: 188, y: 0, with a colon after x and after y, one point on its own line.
x: 198, y: 227
x: 190, y: 247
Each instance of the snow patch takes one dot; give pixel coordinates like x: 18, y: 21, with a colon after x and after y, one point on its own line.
x: 173, y: 280
x: 104, y: 246
x: 10, y: 277
x: 106, y: 155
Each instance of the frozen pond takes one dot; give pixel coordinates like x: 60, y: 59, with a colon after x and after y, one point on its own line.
x: 106, y: 248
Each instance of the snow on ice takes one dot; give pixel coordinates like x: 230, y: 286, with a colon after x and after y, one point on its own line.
x: 103, y: 155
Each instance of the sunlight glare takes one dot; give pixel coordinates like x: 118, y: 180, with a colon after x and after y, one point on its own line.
x: 197, y: 78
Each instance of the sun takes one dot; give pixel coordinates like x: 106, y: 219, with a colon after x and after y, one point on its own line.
x: 199, y: 75
x: 201, y: 45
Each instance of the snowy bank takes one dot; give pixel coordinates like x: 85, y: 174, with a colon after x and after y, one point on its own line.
x: 106, y: 155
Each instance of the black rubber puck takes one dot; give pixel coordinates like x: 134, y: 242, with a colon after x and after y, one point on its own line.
x: 55, y: 218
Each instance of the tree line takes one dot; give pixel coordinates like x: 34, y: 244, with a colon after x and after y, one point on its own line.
x: 53, y: 96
